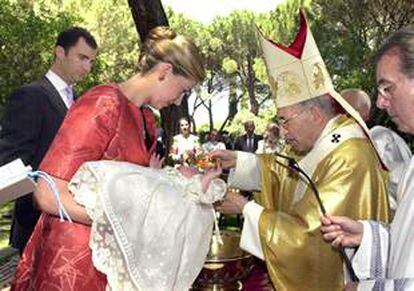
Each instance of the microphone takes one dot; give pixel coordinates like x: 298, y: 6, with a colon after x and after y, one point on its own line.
x: 293, y: 164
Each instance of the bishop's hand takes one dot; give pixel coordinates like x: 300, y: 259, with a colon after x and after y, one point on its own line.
x: 232, y: 204
x: 227, y: 159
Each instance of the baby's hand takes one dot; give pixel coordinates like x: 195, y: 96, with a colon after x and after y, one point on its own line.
x: 187, y: 172
x: 214, y: 172
x: 210, y: 175
x: 156, y: 161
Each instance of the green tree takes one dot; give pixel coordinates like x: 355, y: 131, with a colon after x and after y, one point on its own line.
x: 349, y: 32
x: 112, y: 25
x: 238, y: 38
x: 27, y: 39
x: 28, y: 31
x: 206, y: 94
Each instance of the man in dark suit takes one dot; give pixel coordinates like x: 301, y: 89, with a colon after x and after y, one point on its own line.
x: 248, y: 142
x: 34, y: 114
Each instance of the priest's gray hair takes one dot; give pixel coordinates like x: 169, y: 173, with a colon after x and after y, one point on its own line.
x: 325, y: 102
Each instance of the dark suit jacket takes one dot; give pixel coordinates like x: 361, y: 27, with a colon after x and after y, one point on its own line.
x: 241, y: 143
x: 32, y: 118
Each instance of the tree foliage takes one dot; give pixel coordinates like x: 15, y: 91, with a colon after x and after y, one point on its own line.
x: 347, y: 32
x: 111, y: 23
x: 28, y: 32
x: 350, y: 32
x: 26, y: 43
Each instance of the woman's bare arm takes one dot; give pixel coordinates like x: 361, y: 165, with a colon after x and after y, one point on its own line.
x: 46, y: 200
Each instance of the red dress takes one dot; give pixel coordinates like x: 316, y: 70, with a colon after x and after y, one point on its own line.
x: 103, y: 125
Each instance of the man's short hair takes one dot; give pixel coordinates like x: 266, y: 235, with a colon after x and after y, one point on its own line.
x: 70, y: 37
x: 403, y: 41
x: 248, y: 122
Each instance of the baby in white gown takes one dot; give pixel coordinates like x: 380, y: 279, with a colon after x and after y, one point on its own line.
x: 151, y: 228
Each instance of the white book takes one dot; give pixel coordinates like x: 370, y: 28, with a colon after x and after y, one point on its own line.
x: 14, y: 181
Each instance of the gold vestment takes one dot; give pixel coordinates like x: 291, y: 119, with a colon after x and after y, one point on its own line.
x: 351, y: 183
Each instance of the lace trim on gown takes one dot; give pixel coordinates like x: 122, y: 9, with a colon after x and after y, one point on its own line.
x: 151, y: 228
x: 106, y: 254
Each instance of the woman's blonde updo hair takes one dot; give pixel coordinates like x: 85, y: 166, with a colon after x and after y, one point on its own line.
x: 164, y: 45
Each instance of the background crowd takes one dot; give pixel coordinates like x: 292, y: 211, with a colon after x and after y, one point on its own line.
x: 185, y: 142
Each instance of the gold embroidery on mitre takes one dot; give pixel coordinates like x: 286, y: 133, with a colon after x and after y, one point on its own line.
x: 318, y: 76
x: 287, y: 85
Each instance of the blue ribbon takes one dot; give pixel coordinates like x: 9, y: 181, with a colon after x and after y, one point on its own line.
x: 52, y: 185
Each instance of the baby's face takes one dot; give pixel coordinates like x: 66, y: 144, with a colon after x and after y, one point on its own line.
x: 187, y: 172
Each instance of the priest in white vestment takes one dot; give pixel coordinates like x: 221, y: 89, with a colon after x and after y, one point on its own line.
x: 384, y: 259
x: 394, y: 151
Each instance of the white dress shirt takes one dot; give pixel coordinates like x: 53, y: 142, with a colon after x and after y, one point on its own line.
x: 61, y: 86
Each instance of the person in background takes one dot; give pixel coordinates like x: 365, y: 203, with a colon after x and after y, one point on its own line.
x: 384, y: 254
x: 392, y: 148
x: 227, y: 139
x: 184, y: 145
x: 109, y: 122
x: 248, y: 141
x: 360, y: 100
x: 34, y: 114
x: 213, y: 142
x: 271, y: 142
x: 161, y: 147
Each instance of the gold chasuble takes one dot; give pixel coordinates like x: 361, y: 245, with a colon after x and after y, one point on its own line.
x: 350, y: 183
x: 342, y: 163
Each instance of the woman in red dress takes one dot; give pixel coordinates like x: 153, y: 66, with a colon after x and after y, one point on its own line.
x: 109, y: 122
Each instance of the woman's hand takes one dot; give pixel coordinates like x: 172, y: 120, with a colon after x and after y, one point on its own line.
x: 156, y: 161
x: 342, y: 231
x: 45, y: 200
x: 210, y: 175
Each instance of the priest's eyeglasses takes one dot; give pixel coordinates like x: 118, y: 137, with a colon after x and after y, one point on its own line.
x: 385, y: 89
x: 283, y: 122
